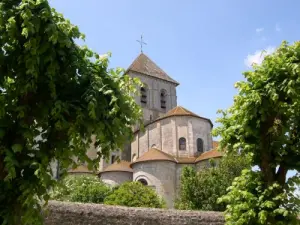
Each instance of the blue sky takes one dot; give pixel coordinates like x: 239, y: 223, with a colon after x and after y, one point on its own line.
x: 203, y: 45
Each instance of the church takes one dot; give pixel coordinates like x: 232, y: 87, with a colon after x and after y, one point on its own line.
x: 173, y: 137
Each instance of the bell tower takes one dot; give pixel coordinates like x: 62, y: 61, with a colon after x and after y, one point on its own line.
x: 158, y: 93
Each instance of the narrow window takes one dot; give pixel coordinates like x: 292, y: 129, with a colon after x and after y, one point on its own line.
x: 143, y: 95
x: 182, y: 143
x: 163, y: 102
x: 113, y: 159
x: 200, y: 145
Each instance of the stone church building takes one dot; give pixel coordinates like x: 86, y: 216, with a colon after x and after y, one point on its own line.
x: 173, y: 137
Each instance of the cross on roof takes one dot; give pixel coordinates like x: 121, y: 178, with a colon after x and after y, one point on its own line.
x: 141, y: 43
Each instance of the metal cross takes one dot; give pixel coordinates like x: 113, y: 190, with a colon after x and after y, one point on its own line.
x: 141, y: 43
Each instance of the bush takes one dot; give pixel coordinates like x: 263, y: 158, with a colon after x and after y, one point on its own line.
x: 81, y: 189
x: 134, y: 194
x: 200, y: 191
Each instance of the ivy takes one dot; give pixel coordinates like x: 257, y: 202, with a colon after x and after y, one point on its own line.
x: 54, y: 95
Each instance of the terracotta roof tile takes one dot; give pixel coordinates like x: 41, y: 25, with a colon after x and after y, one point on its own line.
x: 185, y: 160
x: 180, y: 111
x: 155, y: 155
x: 143, y: 64
x: 80, y: 169
x: 215, y: 144
x: 122, y: 166
x: 177, y: 111
x: 209, y: 154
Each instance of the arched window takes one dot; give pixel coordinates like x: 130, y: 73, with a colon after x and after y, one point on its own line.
x: 144, y: 95
x: 182, y: 143
x: 163, y: 101
x: 200, y: 145
x: 143, y: 182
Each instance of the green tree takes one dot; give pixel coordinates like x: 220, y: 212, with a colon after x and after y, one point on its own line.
x: 81, y: 188
x: 264, y: 122
x: 134, y: 194
x: 54, y: 95
x: 201, y: 190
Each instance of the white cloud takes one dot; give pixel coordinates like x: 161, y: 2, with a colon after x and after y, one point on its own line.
x: 258, y: 56
x: 278, y: 28
x: 259, y: 30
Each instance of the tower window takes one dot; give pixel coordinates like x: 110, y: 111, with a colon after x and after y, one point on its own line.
x: 113, y: 158
x: 200, y: 145
x: 163, y: 101
x: 182, y: 143
x: 143, y: 95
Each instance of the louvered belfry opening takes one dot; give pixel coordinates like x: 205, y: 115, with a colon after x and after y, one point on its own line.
x: 143, y: 95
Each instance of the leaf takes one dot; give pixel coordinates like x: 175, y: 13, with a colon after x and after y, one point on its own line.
x: 17, y: 148
x: 25, y: 32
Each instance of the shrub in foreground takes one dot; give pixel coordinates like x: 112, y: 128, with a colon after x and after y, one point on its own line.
x: 134, y: 194
x: 81, y: 189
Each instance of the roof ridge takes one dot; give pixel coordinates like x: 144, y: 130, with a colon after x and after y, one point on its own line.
x: 159, y: 150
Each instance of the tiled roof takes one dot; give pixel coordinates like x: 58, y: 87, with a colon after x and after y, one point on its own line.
x: 209, y: 154
x: 142, y: 64
x: 185, y: 160
x: 177, y: 111
x: 215, y: 144
x: 80, y: 169
x: 122, y: 166
x: 155, y: 155
x: 180, y: 111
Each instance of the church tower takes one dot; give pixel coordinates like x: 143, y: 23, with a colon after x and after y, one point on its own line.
x: 158, y: 94
x: 157, y: 97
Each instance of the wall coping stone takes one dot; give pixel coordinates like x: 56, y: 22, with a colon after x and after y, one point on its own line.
x: 67, y: 213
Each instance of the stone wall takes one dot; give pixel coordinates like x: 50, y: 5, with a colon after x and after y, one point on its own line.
x: 165, y: 134
x: 96, y: 214
x: 114, y: 178
x: 154, y: 87
x: 160, y: 175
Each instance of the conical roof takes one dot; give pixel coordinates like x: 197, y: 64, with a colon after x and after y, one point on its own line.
x: 155, y: 155
x: 143, y: 64
x: 80, y: 169
x: 177, y: 111
x: 122, y: 166
x: 181, y: 111
x: 209, y: 155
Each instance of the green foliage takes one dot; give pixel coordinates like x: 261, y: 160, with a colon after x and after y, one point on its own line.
x: 250, y: 203
x: 81, y: 189
x: 54, y: 95
x: 134, y: 194
x: 264, y: 122
x: 200, y: 190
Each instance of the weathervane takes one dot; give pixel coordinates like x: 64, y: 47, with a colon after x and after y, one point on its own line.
x: 141, y: 43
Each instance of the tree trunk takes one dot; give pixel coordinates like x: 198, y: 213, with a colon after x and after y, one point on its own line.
x: 3, y: 173
x: 281, y: 174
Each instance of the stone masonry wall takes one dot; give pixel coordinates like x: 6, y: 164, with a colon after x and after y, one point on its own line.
x: 96, y: 214
x: 160, y: 175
